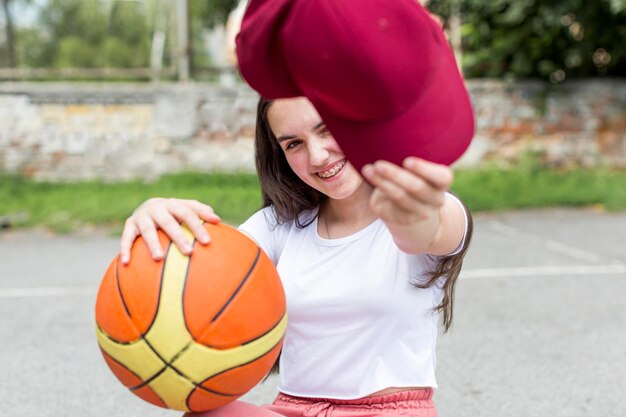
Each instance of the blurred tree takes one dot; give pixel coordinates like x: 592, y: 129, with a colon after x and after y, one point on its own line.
x: 75, y: 52
x: 128, y: 21
x: 9, y: 32
x: 101, y: 33
x: 541, y: 38
x: 9, y: 35
x: 204, y: 16
x: 90, y: 33
x: 500, y: 38
x: 32, y: 49
x: 74, y: 29
x: 128, y: 36
x: 211, y: 13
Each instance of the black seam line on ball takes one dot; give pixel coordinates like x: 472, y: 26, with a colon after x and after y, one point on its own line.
x: 243, y: 281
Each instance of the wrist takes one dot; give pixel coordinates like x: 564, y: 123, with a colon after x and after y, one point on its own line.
x: 419, y: 235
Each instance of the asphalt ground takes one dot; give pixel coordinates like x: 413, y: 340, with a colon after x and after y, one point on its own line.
x: 540, y: 323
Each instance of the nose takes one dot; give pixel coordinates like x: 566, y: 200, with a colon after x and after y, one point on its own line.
x: 318, y: 152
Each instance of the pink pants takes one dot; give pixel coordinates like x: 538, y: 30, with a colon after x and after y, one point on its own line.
x: 415, y: 403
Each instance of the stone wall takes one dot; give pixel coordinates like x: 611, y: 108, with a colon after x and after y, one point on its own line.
x: 577, y: 123
x: 77, y: 131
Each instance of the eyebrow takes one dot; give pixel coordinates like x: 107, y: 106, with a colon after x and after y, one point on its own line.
x: 288, y: 137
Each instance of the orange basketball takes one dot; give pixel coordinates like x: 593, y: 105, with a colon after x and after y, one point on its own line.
x: 192, y: 333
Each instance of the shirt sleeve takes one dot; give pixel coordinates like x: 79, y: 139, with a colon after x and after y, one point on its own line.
x: 462, y: 243
x: 263, y: 228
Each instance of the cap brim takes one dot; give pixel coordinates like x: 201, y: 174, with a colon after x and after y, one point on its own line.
x: 438, y: 127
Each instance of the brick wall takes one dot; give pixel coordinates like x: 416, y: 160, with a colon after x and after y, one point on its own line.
x: 60, y: 131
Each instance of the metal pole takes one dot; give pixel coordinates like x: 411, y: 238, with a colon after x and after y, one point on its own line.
x: 182, y: 34
x: 158, y: 39
x: 455, y: 31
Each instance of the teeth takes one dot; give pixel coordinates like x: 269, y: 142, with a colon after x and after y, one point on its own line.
x: 333, y: 171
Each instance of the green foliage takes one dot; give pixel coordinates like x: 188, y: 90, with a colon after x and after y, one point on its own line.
x: 87, y: 34
x: 8, y: 48
x: 81, y: 18
x: 540, y: 38
x: 3, y: 55
x: 33, y: 49
x: 210, y: 13
x: 127, y: 22
x: 205, y: 15
x: 110, y: 34
x: 116, y: 53
x: 546, y: 39
x: 74, y: 51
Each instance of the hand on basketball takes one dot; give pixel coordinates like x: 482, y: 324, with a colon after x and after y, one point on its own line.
x: 166, y: 214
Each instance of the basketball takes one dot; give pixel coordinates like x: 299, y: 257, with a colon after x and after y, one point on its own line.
x: 192, y: 333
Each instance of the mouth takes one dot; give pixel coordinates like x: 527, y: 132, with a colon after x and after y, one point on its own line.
x: 332, y: 170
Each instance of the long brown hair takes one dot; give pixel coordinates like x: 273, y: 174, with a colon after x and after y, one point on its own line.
x: 290, y: 196
x: 280, y: 186
x: 444, y: 272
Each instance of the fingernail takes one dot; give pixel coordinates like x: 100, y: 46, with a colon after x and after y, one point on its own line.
x: 203, y: 238
x: 367, y: 169
x: 158, y: 255
x: 187, y: 248
x: 124, y: 259
x: 410, y: 162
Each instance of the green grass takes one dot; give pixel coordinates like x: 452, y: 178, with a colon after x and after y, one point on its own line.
x: 531, y: 186
x: 65, y: 207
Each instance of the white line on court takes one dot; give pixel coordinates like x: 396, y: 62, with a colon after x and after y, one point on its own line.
x: 514, y: 272
x: 553, y: 245
x: 45, y: 292
x: 543, y: 271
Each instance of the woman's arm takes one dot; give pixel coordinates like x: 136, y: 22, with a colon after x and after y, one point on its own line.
x: 412, y: 202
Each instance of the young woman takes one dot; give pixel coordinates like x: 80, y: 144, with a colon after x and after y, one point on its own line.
x: 368, y: 261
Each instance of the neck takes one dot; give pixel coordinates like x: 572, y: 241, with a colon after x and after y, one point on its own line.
x: 346, y: 216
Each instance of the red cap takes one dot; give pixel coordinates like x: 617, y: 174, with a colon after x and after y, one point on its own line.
x: 379, y: 72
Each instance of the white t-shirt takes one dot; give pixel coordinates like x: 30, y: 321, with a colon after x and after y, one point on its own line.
x: 356, y: 325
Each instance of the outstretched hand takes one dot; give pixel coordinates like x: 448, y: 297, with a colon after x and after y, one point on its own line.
x: 409, y: 199
x: 409, y: 193
x: 166, y: 214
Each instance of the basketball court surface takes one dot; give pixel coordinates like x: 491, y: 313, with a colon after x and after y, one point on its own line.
x: 540, y: 323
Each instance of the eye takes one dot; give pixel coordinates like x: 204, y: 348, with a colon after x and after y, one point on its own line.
x: 292, y: 144
x: 323, y: 131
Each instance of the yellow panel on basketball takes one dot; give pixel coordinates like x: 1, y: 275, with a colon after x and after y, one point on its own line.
x: 168, y: 327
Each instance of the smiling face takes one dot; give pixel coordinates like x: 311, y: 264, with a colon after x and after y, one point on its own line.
x: 311, y: 151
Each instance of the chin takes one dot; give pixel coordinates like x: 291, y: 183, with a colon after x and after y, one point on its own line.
x: 346, y: 191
